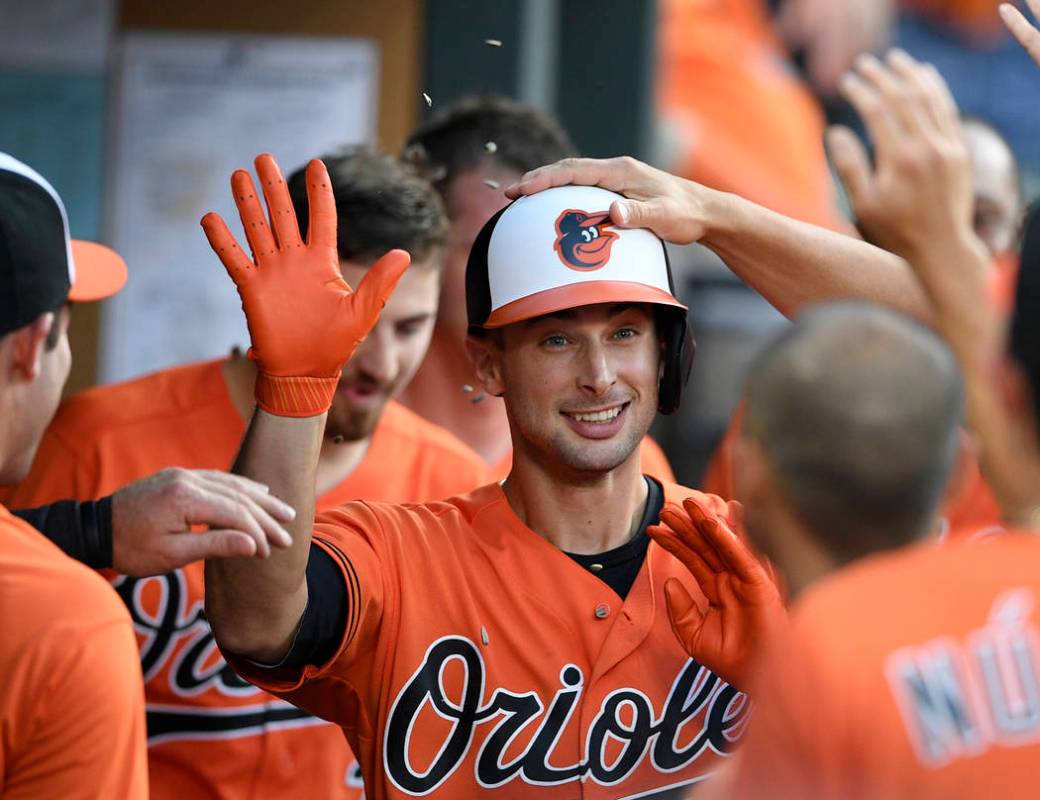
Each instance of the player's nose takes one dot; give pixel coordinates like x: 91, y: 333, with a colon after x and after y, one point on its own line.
x: 597, y: 373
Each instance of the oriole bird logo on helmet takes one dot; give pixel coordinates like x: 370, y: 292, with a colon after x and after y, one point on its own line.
x: 582, y: 239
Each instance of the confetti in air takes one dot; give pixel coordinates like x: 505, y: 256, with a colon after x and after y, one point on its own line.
x: 490, y: 183
x: 428, y: 99
x: 490, y: 147
x: 493, y: 42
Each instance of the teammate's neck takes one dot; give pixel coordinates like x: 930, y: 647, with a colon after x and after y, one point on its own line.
x: 337, y: 460
x: 436, y: 394
x: 582, y: 517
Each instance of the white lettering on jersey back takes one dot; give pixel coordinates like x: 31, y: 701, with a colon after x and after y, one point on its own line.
x: 959, y: 699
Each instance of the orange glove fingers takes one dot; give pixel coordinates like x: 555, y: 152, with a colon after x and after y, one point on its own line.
x: 377, y: 285
x: 708, y: 522
x: 683, y: 614
x: 279, y: 204
x: 735, y: 555
x: 689, y: 530
x: 735, y: 517
x: 321, y: 206
x: 701, y: 572
x: 254, y: 223
x: 234, y: 259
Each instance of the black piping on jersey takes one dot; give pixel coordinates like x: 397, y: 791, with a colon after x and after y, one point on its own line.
x: 353, y: 598
x: 171, y: 724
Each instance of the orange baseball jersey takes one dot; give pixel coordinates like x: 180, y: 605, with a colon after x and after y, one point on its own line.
x: 652, y: 462
x: 480, y: 660
x: 210, y: 734
x: 971, y: 513
x: 913, y: 674
x: 71, y: 699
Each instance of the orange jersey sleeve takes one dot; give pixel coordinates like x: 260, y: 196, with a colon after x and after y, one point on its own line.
x: 72, y: 702
x: 913, y: 674
x: 478, y: 660
x: 210, y: 734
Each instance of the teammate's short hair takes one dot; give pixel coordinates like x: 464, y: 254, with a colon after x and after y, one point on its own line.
x: 382, y: 204
x: 857, y: 411
x: 457, y: 138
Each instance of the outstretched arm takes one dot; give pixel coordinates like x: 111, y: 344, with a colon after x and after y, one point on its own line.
x: 304, y: 322
x: 917, y: 201
x: 792, y: 264
x: 145, y: 528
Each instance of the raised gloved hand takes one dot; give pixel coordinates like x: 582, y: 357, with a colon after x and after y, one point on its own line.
x: 744, y: 607
x: 304, y: 320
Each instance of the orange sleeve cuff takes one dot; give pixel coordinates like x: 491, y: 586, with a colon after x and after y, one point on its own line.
x: 295, y: 396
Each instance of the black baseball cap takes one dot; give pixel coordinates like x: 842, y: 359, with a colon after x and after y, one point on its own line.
x: 41, y: 266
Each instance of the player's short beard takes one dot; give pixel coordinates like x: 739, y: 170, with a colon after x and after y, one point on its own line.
x: 579, y: 458
x: 592, y: 458
x: 351, y: 424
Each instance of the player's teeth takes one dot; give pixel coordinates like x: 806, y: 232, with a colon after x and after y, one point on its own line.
x: 598, y: 416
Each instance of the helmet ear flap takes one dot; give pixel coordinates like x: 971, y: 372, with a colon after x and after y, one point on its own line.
x: 679, y: 349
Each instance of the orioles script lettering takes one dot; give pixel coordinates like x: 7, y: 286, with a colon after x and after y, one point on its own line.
x: 700, y: 710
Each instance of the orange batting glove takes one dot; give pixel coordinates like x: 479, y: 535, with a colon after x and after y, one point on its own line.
x: 744, y: 608
x: 304, y: 320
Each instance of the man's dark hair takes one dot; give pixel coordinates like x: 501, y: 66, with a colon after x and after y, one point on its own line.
x: 857, y: 411
x: 457, y: 138
x: 382, y: 204
x: 1024, y: 335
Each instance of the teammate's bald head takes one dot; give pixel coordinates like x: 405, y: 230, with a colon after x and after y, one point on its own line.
x: 856, y: 411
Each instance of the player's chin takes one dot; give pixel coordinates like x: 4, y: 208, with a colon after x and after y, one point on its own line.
x: 603, y: 455
x: 351, y: 424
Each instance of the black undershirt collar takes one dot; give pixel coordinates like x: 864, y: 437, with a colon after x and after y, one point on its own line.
x: 619, y: 567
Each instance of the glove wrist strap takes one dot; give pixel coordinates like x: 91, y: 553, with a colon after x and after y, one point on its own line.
x: 294, y: 396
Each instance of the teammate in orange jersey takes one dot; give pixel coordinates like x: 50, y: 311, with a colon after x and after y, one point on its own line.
x: 209, y: 733
x: 929, y: 689
x: 474, y: 146
x: 71, y: 703
x: 71, y: 706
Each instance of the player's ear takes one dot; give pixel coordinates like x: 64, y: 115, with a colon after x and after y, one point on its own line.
x: 486, y: 357
x: 23, y: 348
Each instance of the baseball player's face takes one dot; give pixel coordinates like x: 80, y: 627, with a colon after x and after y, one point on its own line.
x: 580, y: 387
x: 470, y: 203
x: 995, y: 186
x: 383, y: 364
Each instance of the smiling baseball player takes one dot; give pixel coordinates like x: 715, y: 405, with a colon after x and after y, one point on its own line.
x: 512, y: 641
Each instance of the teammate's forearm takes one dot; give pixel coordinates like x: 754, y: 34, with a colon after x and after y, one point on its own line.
x: 254, y: 605
x: 794, y: 264
x: 83, y: 530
